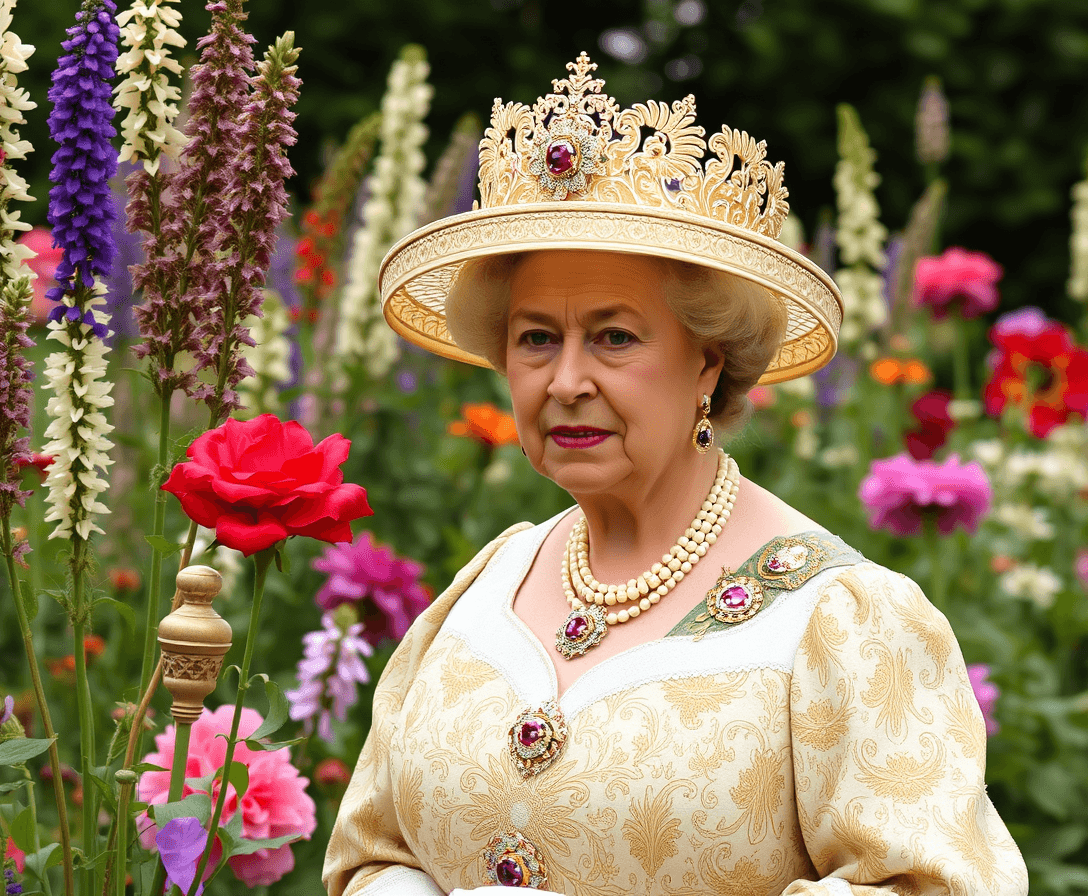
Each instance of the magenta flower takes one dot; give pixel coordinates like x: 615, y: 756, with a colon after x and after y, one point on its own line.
x: 180, y: 843
x: 901, y: 493
x: 331, y: 668
x: 969, y: 277
x: 9, y: 709
x: 986, y: 692
x: 385, y: 588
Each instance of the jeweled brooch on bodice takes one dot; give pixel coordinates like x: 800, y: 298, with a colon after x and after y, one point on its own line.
x: 536, y: 738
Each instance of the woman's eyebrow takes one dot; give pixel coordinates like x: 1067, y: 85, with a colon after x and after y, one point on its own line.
x: 596, y: 316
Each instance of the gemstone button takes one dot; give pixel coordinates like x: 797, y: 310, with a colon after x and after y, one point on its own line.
x: 559, y: 157
x: 734, y: 597
x: 530, y: 732
x: 508, y: 873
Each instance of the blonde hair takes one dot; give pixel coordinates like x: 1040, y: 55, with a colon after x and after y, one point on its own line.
x: 742, y: 320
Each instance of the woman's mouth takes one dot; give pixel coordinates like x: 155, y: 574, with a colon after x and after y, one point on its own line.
x: 578, y: 436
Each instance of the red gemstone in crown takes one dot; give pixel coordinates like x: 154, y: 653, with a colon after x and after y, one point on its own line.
x: 560, y: 157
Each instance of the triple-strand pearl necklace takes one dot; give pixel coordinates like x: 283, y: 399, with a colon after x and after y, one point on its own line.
x: 588, y: 621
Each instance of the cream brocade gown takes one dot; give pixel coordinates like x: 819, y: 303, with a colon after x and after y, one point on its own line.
x: 829, y: 745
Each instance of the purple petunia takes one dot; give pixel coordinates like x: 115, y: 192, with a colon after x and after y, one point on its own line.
x: 81, y: 208
x: 385, y: 588
x: 901, y: 493
x: 331, y: 667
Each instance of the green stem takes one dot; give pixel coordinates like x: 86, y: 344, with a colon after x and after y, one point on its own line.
x: 938, y: 563
x: 86, y: 716
x: 177, y: 787
x: 158, y: 526
x: 261, y: 562
x: 961, y: 361
x: 43, y: 708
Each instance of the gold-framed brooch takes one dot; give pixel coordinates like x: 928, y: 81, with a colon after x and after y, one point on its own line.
x: 734, y: 598
x: 536, y: 738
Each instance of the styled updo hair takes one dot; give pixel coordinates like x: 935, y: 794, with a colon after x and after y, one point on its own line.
x: 742, y: 319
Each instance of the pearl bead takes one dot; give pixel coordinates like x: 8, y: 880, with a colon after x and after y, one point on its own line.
x: 611, y: 619
x: 644, y: 604
x: 678, y: 575
x: 700, y: 536
x: 701, y: 550
x: 632, y: 593
x: 716, y: 529
x: 610, y: 599
x: 681, y: 554
x: 654, y: 597
x: 643, y: 588
x: 623, y: 616
x: 655, y: 569
x: 674, y: 564
x: 663, y: 590
x: 707, y: 505
x: 685, y: 567
x: 711, y: 538
x: 653, y: 581
x: 632, y: 612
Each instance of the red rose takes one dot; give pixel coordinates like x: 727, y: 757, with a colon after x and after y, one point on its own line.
x: 259, y: 481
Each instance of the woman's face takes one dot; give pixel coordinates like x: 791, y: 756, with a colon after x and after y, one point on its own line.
x: 605, y: 381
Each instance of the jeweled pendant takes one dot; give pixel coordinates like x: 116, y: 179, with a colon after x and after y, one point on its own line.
x: 583, y: 629
x: 536, y: 738
x: 788, y: 558
x: 703, y: 437
x: 734, y: 598
x: 512, y: 860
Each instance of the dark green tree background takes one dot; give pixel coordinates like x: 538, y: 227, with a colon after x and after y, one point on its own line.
x: 1015, y: 71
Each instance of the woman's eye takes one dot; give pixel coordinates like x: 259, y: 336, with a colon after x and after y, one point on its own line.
x: 536, y: 338
x: 617, y: 337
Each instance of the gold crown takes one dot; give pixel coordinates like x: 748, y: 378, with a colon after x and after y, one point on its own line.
x: 576, y: 143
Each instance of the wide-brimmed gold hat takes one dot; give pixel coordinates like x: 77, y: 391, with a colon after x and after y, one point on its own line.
x: 574, y: 171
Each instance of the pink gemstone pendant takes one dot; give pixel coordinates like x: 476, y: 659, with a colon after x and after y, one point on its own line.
x: 733, y: 598
x: 583, y: 629
x: 512, y: 860
x: 536, y: 738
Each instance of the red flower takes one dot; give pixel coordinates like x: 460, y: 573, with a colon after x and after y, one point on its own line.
x: 934, y: 425
x: 332, y: 772
x: 1041, y: 371
x: 970, y: 277
x: 263, y: 480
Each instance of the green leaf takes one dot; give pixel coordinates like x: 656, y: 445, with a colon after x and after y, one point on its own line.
x: 238, y: 778
x: 195, y: 805
x: 124, y: 609
x: 21, y: 830
x: 272, y: 746
x: 283, y: 561
x: 19, y: 750
x: 164, y: 547
x: 239, y: 846
x: 277, y: 712
x: 15, y: 785
x: 141, y: 767
x: 104, y: 785
x: 45, y: 858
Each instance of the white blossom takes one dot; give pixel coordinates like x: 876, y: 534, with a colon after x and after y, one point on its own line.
x: 270, y: 358
x: 14, y: 101
x: 1028, y: 522
x: 78, y: 428
x: 859, y: 234
x: 396, y: 192
x: 1036, y: 583
x: 145, y: 93
x: 1078, y: 244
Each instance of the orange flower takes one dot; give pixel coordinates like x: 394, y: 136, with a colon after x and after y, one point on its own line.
x: 487, y: 424
x: 123, y: 579
x: 890, y: 371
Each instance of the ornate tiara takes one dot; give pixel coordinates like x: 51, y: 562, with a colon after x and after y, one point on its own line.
x: 574, y: 171
x: 576, y: 143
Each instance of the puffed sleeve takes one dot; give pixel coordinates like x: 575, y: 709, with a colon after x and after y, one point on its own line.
x: 367, y: 852
x: 889, y: 750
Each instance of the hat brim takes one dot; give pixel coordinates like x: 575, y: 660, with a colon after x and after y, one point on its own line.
x: 415, y: 276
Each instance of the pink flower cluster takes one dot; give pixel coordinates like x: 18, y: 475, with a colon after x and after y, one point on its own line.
x: 969, y: 278
x: 275, y: 803
x: 901, y: 493
x: 986, y: 692
x: 384, y: 588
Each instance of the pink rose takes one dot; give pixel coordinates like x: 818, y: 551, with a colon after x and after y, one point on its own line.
x: 970, y: 277
x: 275, y: 803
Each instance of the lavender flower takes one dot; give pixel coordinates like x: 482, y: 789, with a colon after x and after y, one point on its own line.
x: 181, y: 842
x: 331, y: 667
x: 9, y: 709
x: 182, y: 245
x: 256, y: 204
x: 12, y: 887
x: 15, y: 392
x: 80, y: 205
x: 384, y: 588
x: 931, y: 124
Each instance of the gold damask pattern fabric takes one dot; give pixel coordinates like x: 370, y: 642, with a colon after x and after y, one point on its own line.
x: 864, y: 763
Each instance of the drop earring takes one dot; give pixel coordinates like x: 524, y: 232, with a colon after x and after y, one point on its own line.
x: 703, y: 436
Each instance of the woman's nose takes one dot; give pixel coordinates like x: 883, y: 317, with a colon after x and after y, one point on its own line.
x: 572, y: 376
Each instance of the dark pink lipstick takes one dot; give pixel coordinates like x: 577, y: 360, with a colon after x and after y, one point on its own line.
x: 578, y: 436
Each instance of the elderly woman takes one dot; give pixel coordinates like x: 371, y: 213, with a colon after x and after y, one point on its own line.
x: 682, y: 685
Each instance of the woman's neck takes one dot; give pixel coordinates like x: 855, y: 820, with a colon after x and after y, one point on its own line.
x: 630, y: 529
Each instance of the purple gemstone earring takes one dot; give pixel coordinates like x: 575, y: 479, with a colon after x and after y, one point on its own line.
x: 703, y: 436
